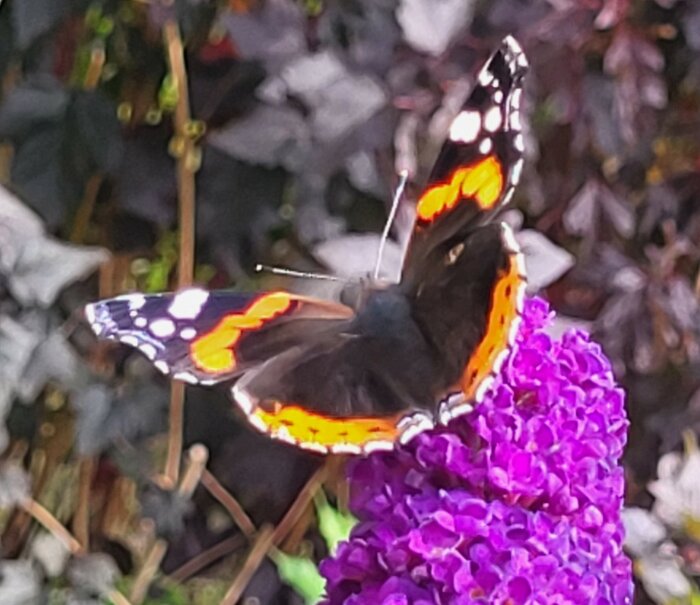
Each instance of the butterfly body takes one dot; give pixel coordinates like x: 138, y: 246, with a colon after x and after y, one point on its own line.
x: 388, y: 359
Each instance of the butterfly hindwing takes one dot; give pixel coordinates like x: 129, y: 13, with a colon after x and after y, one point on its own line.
x: 466, y: 277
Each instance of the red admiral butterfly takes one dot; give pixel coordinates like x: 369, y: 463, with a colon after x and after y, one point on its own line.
x: 330, y: 377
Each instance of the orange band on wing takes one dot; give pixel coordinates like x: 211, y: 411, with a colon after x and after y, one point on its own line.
x: 320, y: 433
x: 482, y: 182
x: 501, y: 326
x: 213, y: 352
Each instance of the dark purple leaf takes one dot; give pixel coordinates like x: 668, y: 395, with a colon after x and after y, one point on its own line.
x: 269, y: 136
x: 33, y: 18
x: 691, y: 26
x: 339, y: 100
x: 581, y: 215
x: 20, y: 583
x: 429, y: 26
x: 611, y: 13
x: 15, y: 485
x: 545, y: 261
x: 365, y: 30
x: 636, y: 65
x: 272, y: 32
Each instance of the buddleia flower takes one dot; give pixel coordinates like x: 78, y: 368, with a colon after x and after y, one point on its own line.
x: 515, y: 503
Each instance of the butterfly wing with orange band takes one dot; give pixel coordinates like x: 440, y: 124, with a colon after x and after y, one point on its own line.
x: 206, y: 337
x: 452, y: 242
x: 288, y: 343
x: 480, y: 162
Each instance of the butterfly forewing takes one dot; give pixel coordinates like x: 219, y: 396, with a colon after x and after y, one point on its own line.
x: 480, y: 162
x: 207, y: 337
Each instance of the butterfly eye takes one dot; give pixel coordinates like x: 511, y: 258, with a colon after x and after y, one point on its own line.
x: 454, y: 254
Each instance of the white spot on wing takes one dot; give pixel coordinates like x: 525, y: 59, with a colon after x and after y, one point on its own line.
x: 90, y: 313
x: 412, y: 425
x: 465, y: 127
x: 243, y: 399
x: 346, y: 448
x: 188, y: 303
x: 493, y: 119
x: 313, y: 447
x: 162, y: 366
x: 377, y: 446
x: 136, y: 301
x: 132, y: 341
x: 162, y: 327
x: 485, y: 146
x: 515, y: 123
x: 519, y: 143
x: 186, y: 377
x: 148, y: 350
x: 509, y: 238
x: 485, y: 77
x: 515, y: 171
x: 140, y: 322
x: 188, y: 333
x: 258, y: 423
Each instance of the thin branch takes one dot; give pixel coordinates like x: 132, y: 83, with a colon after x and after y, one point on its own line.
x: 226, y: 499
x: 197, y: 459
x: 197, y: 462
x: 118, y: 598
x: 207, y: 557
x: 43, y: 516
x: 148, y: 570
x: 267, y: 539
x: 303, y: 499
x: 94, y: 69
x: 264, y: 542
x: 81, y: 518
x: 186, y: 204
x: 86, y: 208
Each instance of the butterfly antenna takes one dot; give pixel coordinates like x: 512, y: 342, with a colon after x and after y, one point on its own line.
x: 398, y: 194
x: 294, y: 273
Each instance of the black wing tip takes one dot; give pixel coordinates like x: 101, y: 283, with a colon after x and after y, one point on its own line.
x: 514, y: 54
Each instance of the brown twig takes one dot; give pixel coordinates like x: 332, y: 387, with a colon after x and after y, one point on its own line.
x: 118, y: 598
x: 186, y: 204
x: 94, y: 69
x: 197, y: 459
x: 267, y: 539
x: 93, y: 184
x: 85, y: 209
x: 44, y: 517
x: 148, y: 570
x: 81, y: 518
x: 197, y: 462
x: 303, y: 499
x: 226, y: 499
x: 263, y: 543
x: 207, y: 557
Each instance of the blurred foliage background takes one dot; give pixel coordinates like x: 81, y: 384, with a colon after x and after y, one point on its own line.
x: 283, y: 132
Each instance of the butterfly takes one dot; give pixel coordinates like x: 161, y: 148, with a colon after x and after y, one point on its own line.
x: 390, y: 359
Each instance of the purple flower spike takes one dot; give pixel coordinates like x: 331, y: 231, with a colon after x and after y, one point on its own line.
x: 517, y: 503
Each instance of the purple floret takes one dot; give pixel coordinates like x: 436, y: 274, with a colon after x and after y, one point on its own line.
x: 516, y: 503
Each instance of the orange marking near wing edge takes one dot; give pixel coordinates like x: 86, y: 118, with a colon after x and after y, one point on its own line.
x: 213, y: 351
x: 317, y: 432
x: 482, y: 182
x: 502, y: 316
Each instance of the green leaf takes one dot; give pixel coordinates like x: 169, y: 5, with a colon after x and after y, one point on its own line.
x: 302, y: 575
x: 333, y: 524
